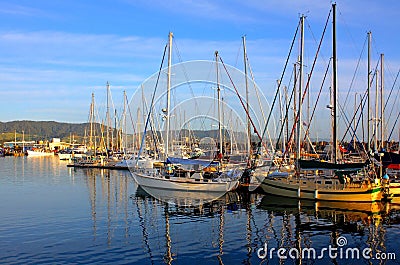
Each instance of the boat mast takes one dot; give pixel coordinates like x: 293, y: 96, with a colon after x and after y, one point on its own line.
x: 247, y: 97
x: 108, y: 120
x: 382, y: 104
x: 91, y: 120
x: 376, y: 112
x: 334, y: 77
x: 170, y: 35
x: 294, y: 103
x: 219, y: 107
x: 301, y: 59
x: 125, y: 145
x: 368, y: 92
x: 115, y: 129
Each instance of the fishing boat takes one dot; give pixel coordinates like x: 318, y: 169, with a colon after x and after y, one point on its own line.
x: 172, y: 173
x: 323, y: 181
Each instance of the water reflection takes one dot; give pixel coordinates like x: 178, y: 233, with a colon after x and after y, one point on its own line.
x: 54, y: 214
x: 305, y: 224
x: 108, y: 193
x: 164, y: 227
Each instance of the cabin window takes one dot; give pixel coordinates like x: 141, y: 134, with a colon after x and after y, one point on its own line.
x: 328, y: 182
x: 319, y: 182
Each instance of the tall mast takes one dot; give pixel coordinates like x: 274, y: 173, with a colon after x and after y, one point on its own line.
x: 91, y: 120
x: 355, y: 122
x: 219, y: 107
x: 108, y: 125
x: 247, y: 97
x: 334, y: 77
x: 23, y: 141
x: 368, y: 93
x: 170, y: 35
x: 125, y: 126
x: 138, y: 129
x: 115, y: 129
x: 281, y: 110
x: 301, y: 60
x: 382, y: 104
x: 294, y: 100
x: 376, y: 112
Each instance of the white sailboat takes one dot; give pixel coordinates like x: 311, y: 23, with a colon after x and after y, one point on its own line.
x: 182, y: 174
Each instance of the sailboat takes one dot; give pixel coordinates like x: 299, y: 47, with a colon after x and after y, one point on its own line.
x: 356, y: 185
x: 182, y: 174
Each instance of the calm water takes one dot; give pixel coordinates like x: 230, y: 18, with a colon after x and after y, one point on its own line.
x: 58, y: 215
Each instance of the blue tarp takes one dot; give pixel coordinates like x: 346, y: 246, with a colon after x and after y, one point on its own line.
x: 204, y: 163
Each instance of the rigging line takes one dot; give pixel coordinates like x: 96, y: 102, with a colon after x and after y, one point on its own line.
x: 395, y: 100
x: 319, y: 94
x: 255, y: 88
x: 312, y: 34
x: 151, y: 106
x: 356, y: 70
x: 374, y: 73
x: 130, y: 116
x: 237, y: 55
x: 394, y: 125
x: 309, y: 140
x: 241, y: 101
x: 349, y: 125
x: 258, y: 96
x: 360, y: 107
x: 153, y: 130
x: 277, y: 90
x: 185, y: 74
x: 391, y: 90
x: 286, y: 117
x: 309, y: 77
x: 391, y: 112
x: 287, y: 107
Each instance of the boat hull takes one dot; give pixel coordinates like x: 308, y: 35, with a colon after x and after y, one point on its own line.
x: 394, y: 189
x: 62, y: 156
x: 148, y: 179
x: 301, y: 190
x: 39, y: 153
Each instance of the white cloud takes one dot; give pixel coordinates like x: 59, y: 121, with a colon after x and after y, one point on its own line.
x: 20, y: 10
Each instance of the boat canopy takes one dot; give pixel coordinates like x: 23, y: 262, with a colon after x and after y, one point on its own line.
x: 182, y: 161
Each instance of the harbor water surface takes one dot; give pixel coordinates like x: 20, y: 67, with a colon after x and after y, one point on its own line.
x: 52, y: 214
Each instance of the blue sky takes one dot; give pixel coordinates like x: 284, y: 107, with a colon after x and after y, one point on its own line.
x: 54, y: 54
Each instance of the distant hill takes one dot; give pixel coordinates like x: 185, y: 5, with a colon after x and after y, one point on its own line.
x: 42, y: 130
x: 46, y: 130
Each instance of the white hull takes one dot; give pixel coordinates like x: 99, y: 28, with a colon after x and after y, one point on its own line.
x: 332, y: 191
x: 148, y: 179
x: 39, y: 153
x: 64, y: 156
x: 183, y: 198
x: 69, y: 156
